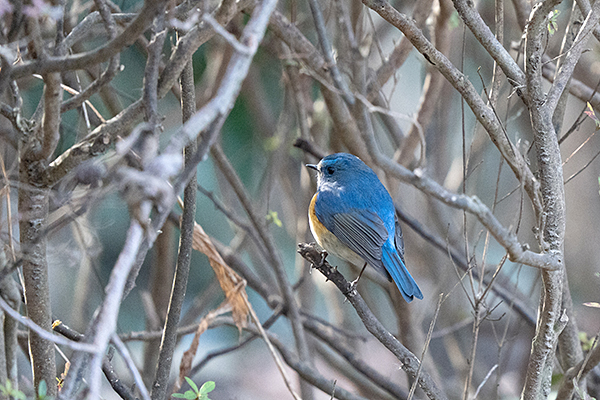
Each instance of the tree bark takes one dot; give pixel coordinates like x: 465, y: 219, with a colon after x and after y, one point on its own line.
x: 33, y: 211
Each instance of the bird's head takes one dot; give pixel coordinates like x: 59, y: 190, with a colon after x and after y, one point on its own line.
x: 339, y: 169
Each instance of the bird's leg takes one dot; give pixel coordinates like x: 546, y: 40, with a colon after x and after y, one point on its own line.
x: 354, y: 283
x: 324, y: 255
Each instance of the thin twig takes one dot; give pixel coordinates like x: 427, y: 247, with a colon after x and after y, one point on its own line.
x: 461, y: 83
x: 518, y: 252
x: 426, y: 346
x: 489, y: 374
x: 105, y: 321
x: 137, y: 377
x: 85, y: 347
x: 92, y: 57
x: 309, y: 373
x: 328, y: 51
x: 109, y: 372
x: 568, y: 66
x: 111, y: 70
x: 493, y: 46
x: 239, y: 47
x: 264, y: 335
x: 587, y: 164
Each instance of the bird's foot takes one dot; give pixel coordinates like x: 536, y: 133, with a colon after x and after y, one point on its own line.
x: 354, y: 283
x: 352, y: 290
x: 324, y: 255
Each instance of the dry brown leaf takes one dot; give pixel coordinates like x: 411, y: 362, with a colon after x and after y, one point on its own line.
x: 63, y: 376
x: 186, y: 361
x: 232, y: 284
x: 235, y: 292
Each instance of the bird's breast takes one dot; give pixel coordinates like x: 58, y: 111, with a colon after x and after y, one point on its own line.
x: 328, y: 240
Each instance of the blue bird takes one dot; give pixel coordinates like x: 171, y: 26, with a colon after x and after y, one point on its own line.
x: 352, y: 216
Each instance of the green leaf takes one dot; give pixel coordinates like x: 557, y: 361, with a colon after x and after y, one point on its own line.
x: 552, y: 18
x: 274, y: 218
x: 178, y: 395
x: 6, y: 389
x: 192, y: 384
x: 208, y: 387
x: 592, y: 114
x: 454, y: 20
x: 190, y: 395
x: 272, y: 143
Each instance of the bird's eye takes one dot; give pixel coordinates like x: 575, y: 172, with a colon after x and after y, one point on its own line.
x: 329, y: 170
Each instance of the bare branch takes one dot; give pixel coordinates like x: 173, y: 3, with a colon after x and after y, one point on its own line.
x: 51, y: 121
x: 345, y: 125
x: 116, y: 383
x: 410, y: 363
x: 208, y: 120
x: 110, y: 71
x: 400, y: 53
x: 585, y: 7
x: 578, y: 372
x: 44, y: 333
x: 550, y: 322
x: 94, y: 144
x: 570, y: 60
x: 484, y: 35
x: 33, y: 208
x: 96, y: 56
x: 191, y: 41
x: 169, y: 339
x: 122, y: 349
x: 273, y: 255
x: 483, y: 113
x: 103, y: 326
x: 328, y: 51
x: 518, y: 252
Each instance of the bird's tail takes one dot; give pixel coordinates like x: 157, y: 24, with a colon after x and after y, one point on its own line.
x: 396, y: 268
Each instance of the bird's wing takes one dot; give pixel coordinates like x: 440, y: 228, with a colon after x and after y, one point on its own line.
x: 399, y: 239
x: 363, y: 232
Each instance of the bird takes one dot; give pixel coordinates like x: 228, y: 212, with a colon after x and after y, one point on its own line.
x: 353, y: 217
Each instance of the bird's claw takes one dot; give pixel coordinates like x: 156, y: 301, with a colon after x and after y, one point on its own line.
x: 324, y: 255
x: 354, y: 283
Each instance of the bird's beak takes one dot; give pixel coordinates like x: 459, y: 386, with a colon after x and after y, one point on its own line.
x: 312, y: 166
